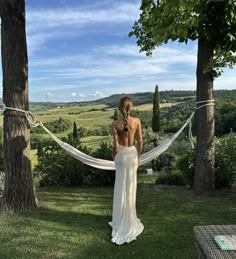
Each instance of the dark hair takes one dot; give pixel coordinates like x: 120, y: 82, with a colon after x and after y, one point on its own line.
x: 125, y: 105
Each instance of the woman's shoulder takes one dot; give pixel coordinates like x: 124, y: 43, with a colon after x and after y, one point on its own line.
x: 116, y: 122
x: 135, y: 119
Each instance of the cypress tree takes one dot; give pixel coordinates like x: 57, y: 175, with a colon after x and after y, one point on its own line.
x: 156, y: 127
x: 75, y: 132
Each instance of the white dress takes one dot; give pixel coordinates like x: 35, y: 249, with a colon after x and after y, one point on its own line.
x: 125, y: 224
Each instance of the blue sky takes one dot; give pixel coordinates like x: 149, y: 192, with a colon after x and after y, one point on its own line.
x: 80, y: 50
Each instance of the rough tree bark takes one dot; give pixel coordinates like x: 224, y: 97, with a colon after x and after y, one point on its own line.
x: 205, y: 128
x: 19, y: 193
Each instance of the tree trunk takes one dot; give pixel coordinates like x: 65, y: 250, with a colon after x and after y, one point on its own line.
x: 19, y: 193
x: 205, y: 128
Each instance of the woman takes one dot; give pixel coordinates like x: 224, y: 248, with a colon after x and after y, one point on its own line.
x: 125, y: 224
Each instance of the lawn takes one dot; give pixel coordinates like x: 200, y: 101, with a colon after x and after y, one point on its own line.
x: 73, y: 223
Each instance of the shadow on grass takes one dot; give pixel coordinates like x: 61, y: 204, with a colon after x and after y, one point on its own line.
x: 73, y: 223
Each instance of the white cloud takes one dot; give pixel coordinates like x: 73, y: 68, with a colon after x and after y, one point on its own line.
x: 74, y: 94
x: 98, y: 94
x: 162, y: 54
x: 114, y: 64
x: 82, y: 95
x: 51, y: 97
x: 79, y: 17
x: 44, y: 24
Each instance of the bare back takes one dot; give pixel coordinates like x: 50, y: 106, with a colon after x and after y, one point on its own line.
x: 134, y: 132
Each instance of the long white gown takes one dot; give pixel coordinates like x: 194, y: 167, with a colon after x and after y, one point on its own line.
x: 125, y: 224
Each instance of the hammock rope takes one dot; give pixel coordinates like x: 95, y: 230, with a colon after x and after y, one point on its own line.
x: 107, y: 164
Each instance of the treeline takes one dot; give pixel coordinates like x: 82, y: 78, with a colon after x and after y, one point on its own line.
x: 172, y: 118
x: 146, y: 97
x: 138, y: 98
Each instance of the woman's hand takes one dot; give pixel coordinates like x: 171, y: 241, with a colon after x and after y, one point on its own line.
x: 139, y: 160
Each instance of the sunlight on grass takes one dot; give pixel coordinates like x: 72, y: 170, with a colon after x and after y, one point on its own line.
x: 73, y: 223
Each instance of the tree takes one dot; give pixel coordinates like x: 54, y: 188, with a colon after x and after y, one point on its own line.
x: 213, y: 24
x: 156, y: 126
x: 19, y: 193
x: 75, y: 136
x: 75, y: 131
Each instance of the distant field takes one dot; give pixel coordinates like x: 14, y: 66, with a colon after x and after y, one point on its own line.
x: 93, y: 141
x: 89, y: 116
x: 148, y: 106
x: 86, y: 116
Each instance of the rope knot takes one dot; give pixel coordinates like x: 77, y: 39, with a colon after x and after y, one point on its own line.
x: 2, y: 107
x: 31, y: 119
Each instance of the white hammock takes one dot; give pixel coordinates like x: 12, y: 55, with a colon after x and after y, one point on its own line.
x: 107, y: 164
x: 110, y: 165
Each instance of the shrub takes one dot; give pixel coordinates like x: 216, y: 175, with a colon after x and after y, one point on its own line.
x: 54, y: 126
x: 173, y: 178
x: 164, y: 161
x: 186, y: 164
x: 35, y: 141
x: 56, y: 167
x: 225, y: 163
x: 104, y: 151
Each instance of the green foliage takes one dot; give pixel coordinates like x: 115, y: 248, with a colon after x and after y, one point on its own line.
x: 186, y: 164
x: 173, y: 178
x: 104, y: 151
x: 225, y: 117
x: 145, y: 97
x: 165, y: 161
x: 102, y: 131
x: 40, y: 149
x: 161, y: 21
x: 35, y: 141
x: 55, y: 126
x: 116, y: 115
x: 151, y: 139
x: 75, y: 132
x: 156, y: 126
x: 172, y: 118
x: 144, y: 116
x: 225, y: 163
x: 56, y: 167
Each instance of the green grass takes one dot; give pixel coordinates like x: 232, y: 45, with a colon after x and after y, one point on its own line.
x: 73, y: 223
x: 94, y: 141
x: 34, y: 157
x: 88, y: 116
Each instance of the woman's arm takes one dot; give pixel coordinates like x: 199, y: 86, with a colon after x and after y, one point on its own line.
x: 139, y: 140
x: 115, y: 141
